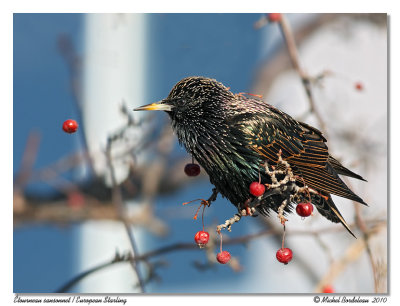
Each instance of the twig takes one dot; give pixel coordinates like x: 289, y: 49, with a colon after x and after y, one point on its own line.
x: 228, y: 223
x: 117, y: 198
x: 366, y: 236
x: 64, y: 164
x: 306, y: 80
x: 278, y: 61
x: 352, y: 254
x: 151, y: 270
x: 28, y: 158
x: 79, y: 277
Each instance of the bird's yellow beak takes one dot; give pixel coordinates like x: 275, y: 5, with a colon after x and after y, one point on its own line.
x: 160, y: 106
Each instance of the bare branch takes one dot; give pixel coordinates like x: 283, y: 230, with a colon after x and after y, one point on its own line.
x: 366, y: 236
x: 119, y: 206
x: 117, y: 259
x: 28, y: 159
x: 378, y: 224
x: 306, y: 80
x: 351, y: 255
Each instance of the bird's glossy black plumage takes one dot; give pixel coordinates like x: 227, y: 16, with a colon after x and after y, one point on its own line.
x: 232, y: 135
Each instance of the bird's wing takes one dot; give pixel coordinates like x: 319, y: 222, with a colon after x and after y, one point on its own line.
x: 302, y: 146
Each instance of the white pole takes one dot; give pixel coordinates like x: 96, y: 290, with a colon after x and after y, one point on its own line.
x: 114, y: 71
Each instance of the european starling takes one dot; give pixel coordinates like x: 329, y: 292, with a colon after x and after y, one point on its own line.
x: 232, y: 135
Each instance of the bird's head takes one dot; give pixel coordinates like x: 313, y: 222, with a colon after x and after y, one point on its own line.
x: 194, y: 104
x: 191, y: 95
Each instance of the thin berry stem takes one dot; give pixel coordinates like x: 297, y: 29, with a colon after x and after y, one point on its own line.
x: 198, y: 209
x: 202, y: 216
x: 220, y: 245
x: 283, y: 238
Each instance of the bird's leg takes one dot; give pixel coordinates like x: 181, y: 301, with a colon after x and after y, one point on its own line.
x: 213, y: 197
x: 228, y: 223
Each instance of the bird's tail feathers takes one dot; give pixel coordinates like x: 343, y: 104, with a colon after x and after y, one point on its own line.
x: 340, y: 169
x: 328, y: 209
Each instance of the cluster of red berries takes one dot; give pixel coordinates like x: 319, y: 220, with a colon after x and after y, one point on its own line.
x: 202, y: 237
x: 284, y: 255
x: 303, y: 209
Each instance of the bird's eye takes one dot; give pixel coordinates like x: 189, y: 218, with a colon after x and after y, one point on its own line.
x: 180, y: 102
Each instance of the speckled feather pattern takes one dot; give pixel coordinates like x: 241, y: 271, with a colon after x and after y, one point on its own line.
x: 231, y: 135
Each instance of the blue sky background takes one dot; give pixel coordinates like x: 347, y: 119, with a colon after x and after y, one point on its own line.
x: 43, y: 254
x: 221, y: 46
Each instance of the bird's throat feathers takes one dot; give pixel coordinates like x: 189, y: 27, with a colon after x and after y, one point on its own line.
x: 196, y: 129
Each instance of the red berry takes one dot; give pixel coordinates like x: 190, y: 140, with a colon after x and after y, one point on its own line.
x: 223, y: 257
x: 304, y: 209
x: 284, y: 255
x: 359, y: 86
x: 201, y: 238
x: 192, y: 169
x: 70, y: 126
x: 328, y: 289
x: 274, y: 17
x: 257, y: 189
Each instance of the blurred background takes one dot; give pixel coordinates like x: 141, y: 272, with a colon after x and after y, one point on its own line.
x: 91, y: 199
